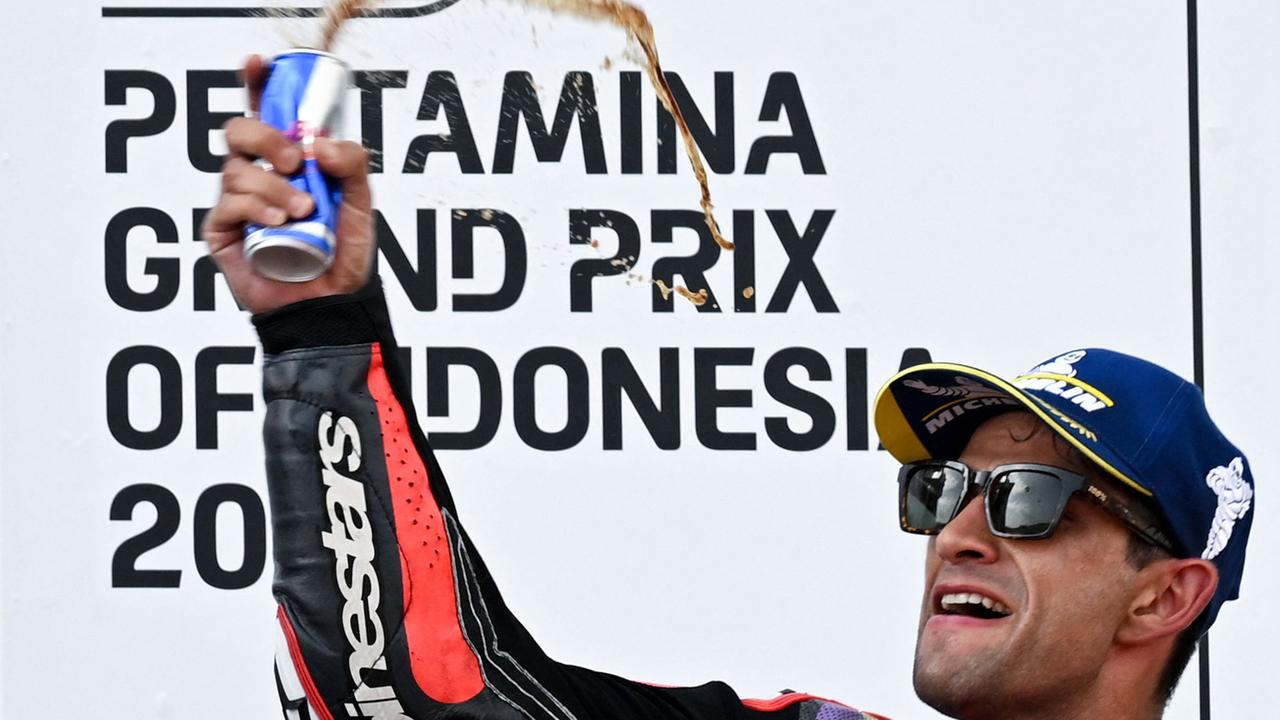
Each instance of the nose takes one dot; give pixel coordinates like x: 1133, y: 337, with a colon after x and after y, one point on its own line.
x: 967, y: 537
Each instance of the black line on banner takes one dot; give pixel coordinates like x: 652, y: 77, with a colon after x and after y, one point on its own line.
x: 1197, y: 290
x: 267, y: 12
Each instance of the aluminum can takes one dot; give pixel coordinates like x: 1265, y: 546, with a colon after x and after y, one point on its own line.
x: 303, y: 99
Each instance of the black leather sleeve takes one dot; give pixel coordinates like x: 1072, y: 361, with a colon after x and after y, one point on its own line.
x: 386, y: 610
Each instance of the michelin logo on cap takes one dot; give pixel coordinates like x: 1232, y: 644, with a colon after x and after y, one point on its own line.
x: 964, y: 387
x: 966, y: 394
x: 1061, y: 365
x: 1234, y: 497
x: 1058, y: 377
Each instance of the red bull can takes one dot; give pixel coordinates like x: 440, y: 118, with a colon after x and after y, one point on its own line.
x: 303, y: 99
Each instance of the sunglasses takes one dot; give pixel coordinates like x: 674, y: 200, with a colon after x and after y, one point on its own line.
x: 1023, y: 501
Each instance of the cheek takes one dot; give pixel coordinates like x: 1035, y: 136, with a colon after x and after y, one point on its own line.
x: 1082, y: 597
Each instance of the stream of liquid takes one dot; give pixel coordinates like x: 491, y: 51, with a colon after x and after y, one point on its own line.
x: 627, y: 16
x: 623, y: 14
x: 634, y: 20
x: 336, y: 15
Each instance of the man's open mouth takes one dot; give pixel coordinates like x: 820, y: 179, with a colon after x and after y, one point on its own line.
x: 970, y: 604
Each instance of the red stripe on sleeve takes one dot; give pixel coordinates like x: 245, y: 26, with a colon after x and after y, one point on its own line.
x: 314, y: 701
x: 443, y: 664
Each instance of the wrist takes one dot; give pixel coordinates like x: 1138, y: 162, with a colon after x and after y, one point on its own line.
x: 347, y: 319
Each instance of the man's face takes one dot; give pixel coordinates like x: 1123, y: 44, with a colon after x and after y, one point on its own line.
x: 1066, y: 595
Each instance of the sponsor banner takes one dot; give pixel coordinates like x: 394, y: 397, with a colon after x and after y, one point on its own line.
x: 663, y: 449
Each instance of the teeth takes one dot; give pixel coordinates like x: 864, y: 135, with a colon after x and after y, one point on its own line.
x: 952, y: 601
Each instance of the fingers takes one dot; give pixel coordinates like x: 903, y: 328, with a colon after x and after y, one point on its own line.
x: 253, y: 139
x: 341, y: 158
x: 225, y: 222
x: 239, y: 176
x: 348, y: 163
x: 255, y: 75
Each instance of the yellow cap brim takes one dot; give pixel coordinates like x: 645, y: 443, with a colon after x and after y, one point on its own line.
x: 903, y: 438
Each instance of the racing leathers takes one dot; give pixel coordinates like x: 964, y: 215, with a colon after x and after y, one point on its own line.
x: 386, y: 610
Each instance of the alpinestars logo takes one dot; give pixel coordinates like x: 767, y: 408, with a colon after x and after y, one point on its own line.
x: 1234, y: 497
x: 351, y: 539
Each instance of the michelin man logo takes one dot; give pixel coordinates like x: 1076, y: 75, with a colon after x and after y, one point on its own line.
x: 964, y: 387
x: 1234, y: 497
x: 1061, y: 365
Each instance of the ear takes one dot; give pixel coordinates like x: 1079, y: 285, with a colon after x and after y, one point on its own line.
x: 1169, y: 596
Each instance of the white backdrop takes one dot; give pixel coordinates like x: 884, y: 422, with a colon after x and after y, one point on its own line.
x: 1007, y: 180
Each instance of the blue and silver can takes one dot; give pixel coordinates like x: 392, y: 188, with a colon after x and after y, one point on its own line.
x: 304, y: 100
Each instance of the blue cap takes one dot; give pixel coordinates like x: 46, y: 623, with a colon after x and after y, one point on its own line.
x: 1142, y: 424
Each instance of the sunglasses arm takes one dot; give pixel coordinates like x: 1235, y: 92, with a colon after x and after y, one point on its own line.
x: 1141, y: 523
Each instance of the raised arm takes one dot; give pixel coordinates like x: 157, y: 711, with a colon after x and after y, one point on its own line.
x: 386, y: 610
x: 386, y: 607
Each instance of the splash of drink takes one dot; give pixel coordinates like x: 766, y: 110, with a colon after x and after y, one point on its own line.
x: 629, y: 17
x: 634, y: 20
x: 623, y: 14
x: 336, y: 14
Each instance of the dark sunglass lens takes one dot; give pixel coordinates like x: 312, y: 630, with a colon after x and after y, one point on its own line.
x: 1024, y: 503
x: 932, y: 494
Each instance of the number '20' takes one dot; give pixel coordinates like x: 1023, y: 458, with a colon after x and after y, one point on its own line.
x: 124, y: 564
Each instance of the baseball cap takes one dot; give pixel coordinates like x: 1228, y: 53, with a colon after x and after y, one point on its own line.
x: 1140, y: 423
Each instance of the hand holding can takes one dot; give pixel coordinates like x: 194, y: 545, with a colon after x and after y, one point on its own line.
x: 260, y: 187
x: 304, y: 100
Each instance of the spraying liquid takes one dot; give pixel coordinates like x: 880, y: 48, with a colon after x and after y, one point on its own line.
x: 636, y: 23
x: 628, y: 17
x: 618, y: 12
x: 335, y: 16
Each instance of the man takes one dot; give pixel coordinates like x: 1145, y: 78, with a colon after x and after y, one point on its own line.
x: 386, y: 610
x: 1041, y: 606
x: 1111, y: 528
